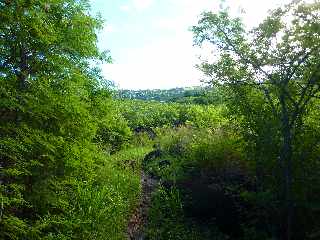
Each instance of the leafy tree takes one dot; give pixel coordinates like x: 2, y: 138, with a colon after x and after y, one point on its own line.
x: 48, y: 90
x: 278, y: 61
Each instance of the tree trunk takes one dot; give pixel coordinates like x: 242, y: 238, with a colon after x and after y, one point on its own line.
x: 22, y: 80
x: 22, y: 76
x: 286, y: 165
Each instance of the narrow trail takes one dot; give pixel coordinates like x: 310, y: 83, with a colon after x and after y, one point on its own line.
x: 138, y: 220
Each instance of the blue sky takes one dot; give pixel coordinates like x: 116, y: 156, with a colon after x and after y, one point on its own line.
x: 150, y: 40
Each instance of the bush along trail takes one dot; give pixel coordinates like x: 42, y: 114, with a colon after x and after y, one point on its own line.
x: 194, y: 199
x: 198, y: 183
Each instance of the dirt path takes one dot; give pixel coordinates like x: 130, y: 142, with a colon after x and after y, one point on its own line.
x: 139, y: 218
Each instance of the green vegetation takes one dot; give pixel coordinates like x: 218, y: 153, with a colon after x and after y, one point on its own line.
x: 160, y: 95
x: 58, y: 128
x: 236, y: 160
x: 192, y: 95
x: 277, y: 66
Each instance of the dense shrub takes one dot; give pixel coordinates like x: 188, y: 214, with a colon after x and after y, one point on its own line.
x: 152, y: 114
x: 189, y: 148
x: 148, y: 113
x: 167, y: 220
x: 57, y: 126
x: 50, y: 163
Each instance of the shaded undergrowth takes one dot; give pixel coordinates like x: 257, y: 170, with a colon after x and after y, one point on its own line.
x: 203, y: 176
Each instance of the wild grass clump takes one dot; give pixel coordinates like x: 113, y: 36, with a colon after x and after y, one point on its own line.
x: 188, y: 149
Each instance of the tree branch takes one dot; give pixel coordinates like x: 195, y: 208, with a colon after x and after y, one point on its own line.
x: 304, y: 97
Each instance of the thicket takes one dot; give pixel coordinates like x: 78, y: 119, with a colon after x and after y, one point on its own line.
x: 211, y: 187
x: 271, y: 74
x: 58, y: 126
x: 271, y: 79
x: 202, y: 174
x: 153, y: 114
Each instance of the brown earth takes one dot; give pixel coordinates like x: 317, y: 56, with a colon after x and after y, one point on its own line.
x: 138, y: 219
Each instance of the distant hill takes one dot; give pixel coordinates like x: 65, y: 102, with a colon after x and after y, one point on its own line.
x: 195, y: 95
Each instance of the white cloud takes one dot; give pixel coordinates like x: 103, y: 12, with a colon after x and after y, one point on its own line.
x: 168, y: 61
x: 125, y: 8
x: 141, y: 76
x: 164, y: 64
x: 136, y: 5
x: 255, y: 11
x: 142, y: 4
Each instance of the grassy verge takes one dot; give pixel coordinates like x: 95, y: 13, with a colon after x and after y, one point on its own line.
x: 103, y: 207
